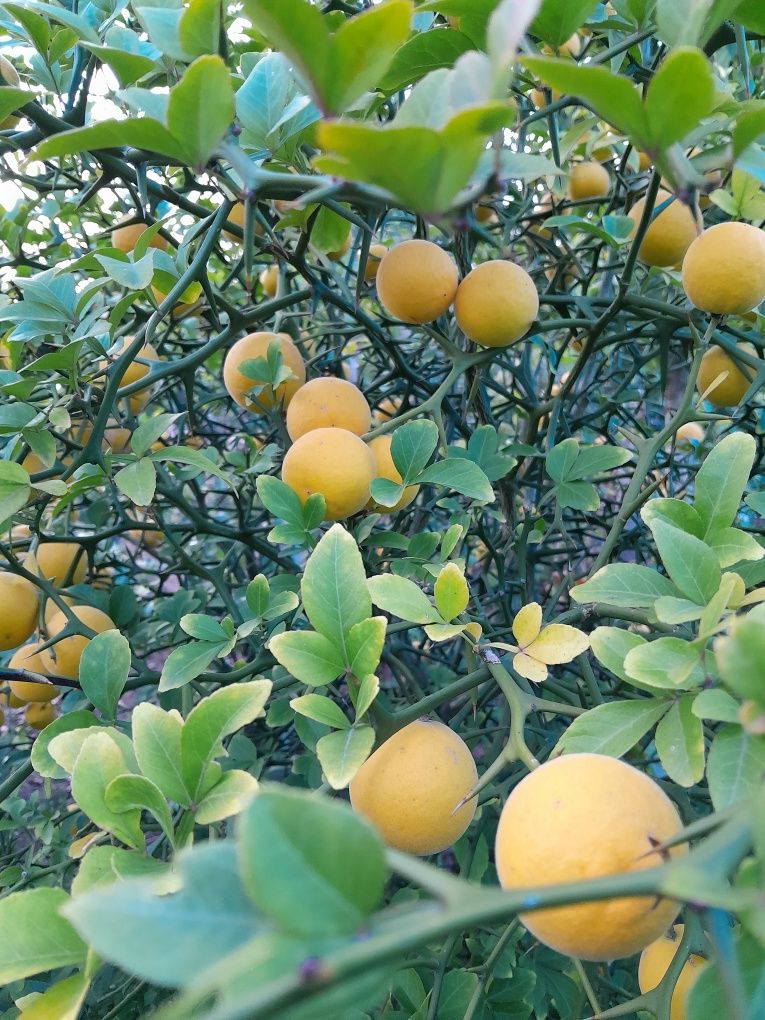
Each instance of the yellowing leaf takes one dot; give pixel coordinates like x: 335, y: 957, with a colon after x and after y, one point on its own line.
x: 558, y: 643
x: 527, y: 624
x: 532, y: 669
x: 451, y: 591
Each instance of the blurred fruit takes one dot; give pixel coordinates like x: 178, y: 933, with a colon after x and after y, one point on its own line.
x: 236, y: 216
x: 654, y: 963
x: 38, y: 715
x: 729, y: 391
x: 416, y: 281
x: 387, y: 408
x: 496, y: 303
x: 724, y: 269
x: 63, y: 658
x: 116, y: 438
x: 269, y: 280
x: 484, y: 214
x: 644, y: 162
x: 328, y: 402
x: 10, y: 76
x: 125, y: 238
x: 136, y: 370
x: 28, y: 657
x: 335, y: 463
x: 374, y: 257
x: 691, y: 431
x: 385, y: 468
x: 250, y: 347
x: 18, y: 610
x: 669, y: 235
x: 588, y: 180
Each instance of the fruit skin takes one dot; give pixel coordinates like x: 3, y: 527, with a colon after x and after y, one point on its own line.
x: 669, y: 235
x: 255, y: 345
x: 691, y: 431
x: 335, y: 463
x: 588, y: 180
x: 54, y: 562
x: 10, y: 76
x: 374, y: 256
x: 578, y: 817
x: 387, y: 408
x: 39, y: 715
x: 115, y: 437
x: 236, y: 216
x: 63, y: 658
x: 724, y: 269
x: 385, y: 468
x: 269, y: 280
x: 416, y: 281
x: 28, y: 657
x: 496, y: 303
x: 328, y: 402
x: 50, y: 608
x: 137, y: 370
x: 126, y: 238
x: 408, y: 789
x: 654, y: 963
x: 644, y: 162
x: 729, y: 392
x: 18, y: 610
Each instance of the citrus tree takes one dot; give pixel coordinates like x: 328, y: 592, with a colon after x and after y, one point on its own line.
x: 381, y: 581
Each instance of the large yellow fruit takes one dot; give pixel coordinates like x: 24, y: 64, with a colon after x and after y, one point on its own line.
x: 416, y: 281
x: 654, y: 963
x: 50, y: 608
x: 56, y: 562
x: 28, y: 657
x: 125, y: 238
x: 729, y: 391
x: 63, y: 658
x: 410, y: 786
x: 255, y: 345
x: 669, y: 235
x: 588, y: 180
x: 18, y: 610
x: 385, y: 468
x: 328, y: 402
x: 10, y: 76
x: 269, y: 280
x: 38, y: 715
x: 724, y: 269
x: 496, y: 303
x: 335, y: 463
x: 579, y: 817
x: 374, y: 256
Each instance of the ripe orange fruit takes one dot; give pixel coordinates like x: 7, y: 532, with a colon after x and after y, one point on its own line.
x: 18, y: 610
x: 385, y: 468
x: 28, y: 657
x: 63, y: 658
x: 730, y: 391
x: 584, y: 816
x: 496, y: 303
x: 409, y: 788
x: 416, y: 281
x: 269, y: 280
x: 250, y: 347
x: 138, y: 369
x: 335, y: 463
x: 38, y: 715
x: 374, y: 257
x: 669, y: 235
x: 724, y: 269
x: 588, y: 180
x: 654, y: 963
x: 125, y: 237
x: 55, y: 561
x: 328, y: 402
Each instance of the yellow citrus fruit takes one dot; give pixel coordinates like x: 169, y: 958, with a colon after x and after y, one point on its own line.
x: 588, y: 180
x: 138, y: 369
x: 416, y: 281
x: 579, y: 817
x: 669, y: 235
x: 724, y: 269
x: 328, y: 402
x: 728, y: 392
x: 63, y: 658
x: 38, y: 715
x: 374, y: 257
x: 572, y: 47
x: 644, y: 162
x: 496, y: 303
x: 181, y: 309
x: 116, y: 438
x: 10, y: 76
x: 32, y: 464
x: 50, y: 608
x: 654, y: 963
x: 484, y: 214
x: 691, y: 431
x: 387, y: 408
x: 18, y: 610
x: 409, y: 788
x: 125, y: 238
x: 236, y: 216
x: 269, y: 280
x: 335, y: 463
x: 250, y: 347
x: 55, y: 561
x: 385, y: 468
x: 28, y: 658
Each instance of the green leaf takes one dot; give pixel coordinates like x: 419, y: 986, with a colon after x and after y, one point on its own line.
x: 749, y: 127
x: 560, y: 461
x: 412, y: 447
x: 735, y: 767
x: 461, y: 476
x: 258, y: 595
x: 330, y: 230
x: 690, y: 563
x: 199, y: 27
x: 128, y: 793
x: 217, y: 716
x: 104, y: 669
x: 150, y: 431
x: 557, y: 20
x: 138, y: 481
x: 342, y: 754
x: 451, y: 592
x: 709, y: 996
x: 611, y: 645
x: 721, y: 480
x: 334, y: 589
x: 368, y: 690
x: 228, y: 797
x: 681, y: 94
x: 157, y: 742
x: 309, y: 656
x: 128, y: 67
x: 613, y: 728
x: 15, y: 488
x: 421, y: 54
x: 668, y: 663
x: 203, y: 628
x: 186, y: 662
x: 717, y: 705
x: 42, y: 761
x: 741, y: 658
x: 671, y: 610
x: 309, y: 864
x: 577, y: 495
x: 200, y: 109
x: 594, y: 460
x: 401, y: 597
x: 100, y: 760
x: 365, y: 645
x: 320, y: 709
x: 42, y: 939
x: 680, y: 743
x: 280, y: 500
x: 675, y: 512
x: 624, y: 584
x: 142, y: 133
x: 60, y: 1001
x: 103, y: 865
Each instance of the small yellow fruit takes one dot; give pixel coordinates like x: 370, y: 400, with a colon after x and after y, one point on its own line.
x: 669, y: 235
x: 690, y: 432
x: 269, y: 280
x: 63, y: 658
x: 654, y: 963
x: 387, y: 408
x: 496, y: 303
x: 335, y: 463
x: 181, y: 309
x: 10, y: 76
x: 138, y: 369
x: 328, y: 402
x: 28, y: 658
x: 374, y: 257
x: 584, y: 816
x: 115, y: 438
x: 55, y: 561
x: 409, y: 788
x: 32, y: 464
x: 538, y: 98
x: 236, y: 216
x: 724, y: 269
x: 250, y: 347
x: 18, y: 610
x: 416, y: 281
x: 385, y: 468
x: 572, y: 47
x: 484, y: 214
x: 588, y: 180
x: 644, y: 162
x: 38, y: 715
x: 125, y: 238
x: 728, y: 392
